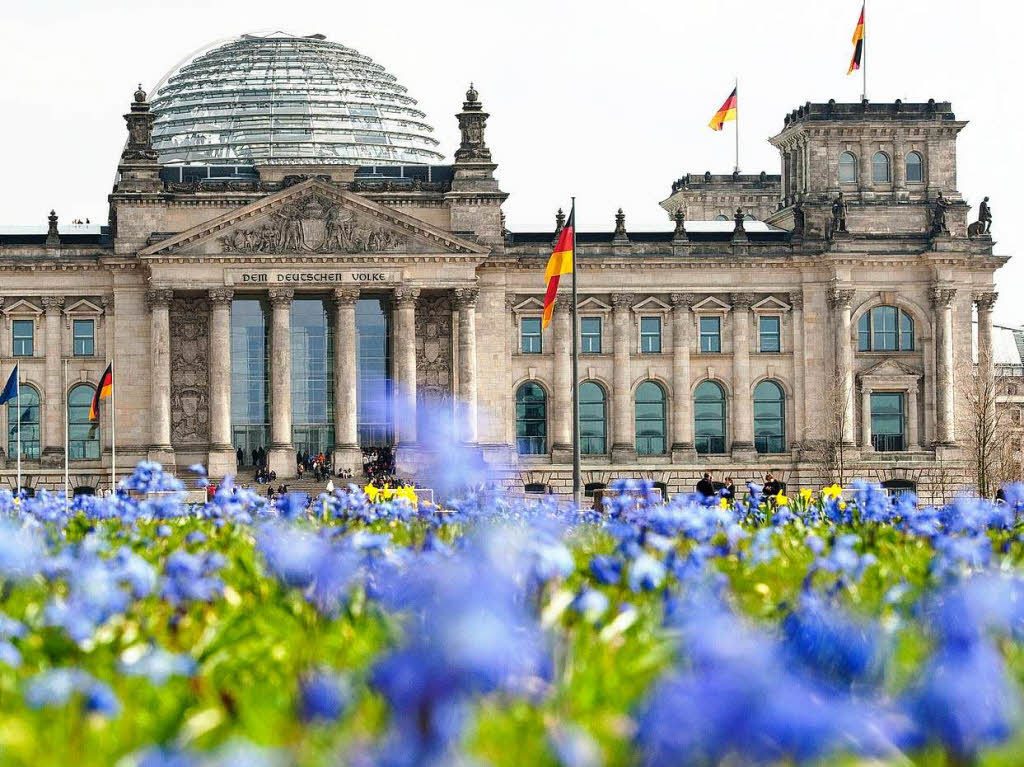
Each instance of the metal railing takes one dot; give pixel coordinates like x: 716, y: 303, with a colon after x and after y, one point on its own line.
x: 888, y: 443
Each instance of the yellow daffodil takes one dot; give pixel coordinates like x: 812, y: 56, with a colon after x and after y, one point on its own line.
x: 832, y: 491
x: 724, y: 503
x: 781, y: 500
x: 805, y: 495
x: 371, y: 493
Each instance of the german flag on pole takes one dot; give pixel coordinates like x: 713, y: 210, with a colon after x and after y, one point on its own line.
x: 725, y: 113
x: 858, y: 44
x: 560, y: 263
x: 103, y: 390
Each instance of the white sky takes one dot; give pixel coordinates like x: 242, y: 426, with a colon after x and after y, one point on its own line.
x: 608, y: 102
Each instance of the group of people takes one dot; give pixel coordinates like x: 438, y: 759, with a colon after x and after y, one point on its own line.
x: 265, y: 475
x: 707, y: 487
x: 259, y: 457
x: 379, y: 467
x: 316, y: 463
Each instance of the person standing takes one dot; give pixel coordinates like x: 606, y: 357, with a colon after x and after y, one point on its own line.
x: 729, y: 491
x: 772, y: 487
x: 706, y: 487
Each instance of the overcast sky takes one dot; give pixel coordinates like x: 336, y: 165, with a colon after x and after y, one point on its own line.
x: 610, y: 105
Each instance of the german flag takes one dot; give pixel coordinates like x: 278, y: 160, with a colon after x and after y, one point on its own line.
x: 725, y: 112
x: 103, y: 390
x: 858, y: 43
x: 560, y: 263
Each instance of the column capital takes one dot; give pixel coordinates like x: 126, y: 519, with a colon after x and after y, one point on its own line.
x: 406, y: 296
x: 159, y: 298
x: 52, y: 304
x: 622, y: 301
x: 280, y: 296
x: 563, y: 304
x: 682, y: 301
x: 108, y: 303
x: 221, y: 296
x: 510, y: 302
x: 742, y: 300
x: 796, y: 299
x: 346, y: 296
x: 942, y: 296
x: 840, y: 297
x: 985, y: 300
x: 465, y: 298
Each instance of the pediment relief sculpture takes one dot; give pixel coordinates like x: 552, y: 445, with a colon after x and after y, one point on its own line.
x: 314, y: 224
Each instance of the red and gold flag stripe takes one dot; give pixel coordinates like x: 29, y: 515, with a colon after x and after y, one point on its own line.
x: 103, y: 390
x: 858, y: 43
x: 560, y: 263
x: 725, y: 113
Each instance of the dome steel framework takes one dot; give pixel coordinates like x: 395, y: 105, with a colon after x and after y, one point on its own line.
x: 284, y: 99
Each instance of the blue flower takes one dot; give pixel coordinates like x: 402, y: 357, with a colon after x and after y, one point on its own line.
x: 9, y: 654
x: 607, y: 570
x: 55, y: 687
x: 98, y: 698
x: 21, y: 550
x: 831, y: 644
x: 574, y: 747
x: 646, y: 573
x: 323, y: 697
x: 198, y: 468
x: 591, y: 604
x: 156, y: 664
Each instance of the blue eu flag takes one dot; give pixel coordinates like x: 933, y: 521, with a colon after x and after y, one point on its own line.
x: 11, y: 389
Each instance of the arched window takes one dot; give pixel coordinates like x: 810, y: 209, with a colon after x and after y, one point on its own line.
x: 885, y: 329
x: 531, y: 420
x: 915, y: 167
x: 769, y: 418
x: 28, y: 406
x: 83, y: 434
x: 847, y: 168
x: 592, y: 419
x: 880, y: 168
x: 709, y: 418
x: 650, y: 419
x: 721, y: 217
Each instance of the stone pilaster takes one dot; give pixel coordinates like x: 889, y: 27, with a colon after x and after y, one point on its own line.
x: 839, y: 300
x: 465, y: 302
x: 160, y: 448
x: 281, y: 453
x: 405, y: 365
x: 682, y: 420
x: 913, y: 430
x: 942, y: 303
x: 796, y: 301
x: 623, y: 441
x: 742, y: 402
x: 347, y: 454
x: 222, y: 459
x: 52, y: 453
x: 865, y: 418
x: 561, y: 393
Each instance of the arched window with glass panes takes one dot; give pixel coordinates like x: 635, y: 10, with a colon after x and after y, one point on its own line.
x: 880, y: 170
x: 709, y: 418
x: 885, y: 329
x: 769, y: 418
x: 83, y: 434
x: 25, y: 408
x: 531, y: 419
x: 650, y: 419
x: 593, y: 419
x: 914, y: 168
x: 847, y: 168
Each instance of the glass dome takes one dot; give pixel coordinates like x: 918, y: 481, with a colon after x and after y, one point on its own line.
x: 287, y: 100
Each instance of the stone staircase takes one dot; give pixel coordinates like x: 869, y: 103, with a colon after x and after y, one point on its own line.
x: 246, y: 477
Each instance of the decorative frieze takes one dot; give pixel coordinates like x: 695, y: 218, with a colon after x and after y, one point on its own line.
x: 190, y: 375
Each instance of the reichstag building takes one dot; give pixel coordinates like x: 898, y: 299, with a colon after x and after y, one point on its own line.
x: 291, y: 265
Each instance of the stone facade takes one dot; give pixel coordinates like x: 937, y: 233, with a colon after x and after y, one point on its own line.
x: 159, y: 282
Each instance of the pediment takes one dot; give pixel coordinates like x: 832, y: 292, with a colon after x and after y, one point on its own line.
x: 531, y: 304
x: 771, y: 304
x: 592, y: 305
x: 711, y: 304
x: 890, y: 368
x: 312, y: 218
x: 652, y: 304
x: 23, y: 308
x: 83, y: 306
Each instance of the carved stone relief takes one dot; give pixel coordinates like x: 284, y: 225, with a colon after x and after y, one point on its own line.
x: 190, y: 373
x: 314, y: 224
x: 434, y: 354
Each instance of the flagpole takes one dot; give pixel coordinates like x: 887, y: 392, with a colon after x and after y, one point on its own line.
x: 113, y: 429
x: 67, y: 442
x: 864, y: 52
x: 576, y: 483
x: 736, y: 90
x: 18, y: 419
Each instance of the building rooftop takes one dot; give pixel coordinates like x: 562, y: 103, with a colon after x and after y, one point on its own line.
x: 287, y: 99
x: 868, y: 111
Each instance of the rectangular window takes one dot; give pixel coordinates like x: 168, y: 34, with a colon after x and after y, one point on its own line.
x: 711, y: 334
x: 590, y: 335
x: 23, y: 337
x: 769, y: 332
x: 883, y: 327
x: 530, y: 336
x: 888, y: 421
x: 84, y: 338
x: 650, y: 335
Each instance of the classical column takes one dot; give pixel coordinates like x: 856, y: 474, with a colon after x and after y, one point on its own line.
x: 682, y: 422
x: 221, y: 459
x: 160, y: 375
x: 865, y: 417
x: 913, y: 437
x: 53, y: 388
x: 839, y: 300
x: 623, y: 442
x: 465, y: 302
x: 561, y: 392
x: 742, y: 402
x: 347, y: 454
x: 942, y: 303
x: 405, y: 365
x: 796, y: 301
x: 281, y: 454
x: 899, y: 162
x: 985, y: 302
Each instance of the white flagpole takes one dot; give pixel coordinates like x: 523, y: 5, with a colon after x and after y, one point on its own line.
x: 113, y: 430
x: 67, y: 442
x: 18, y: 418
